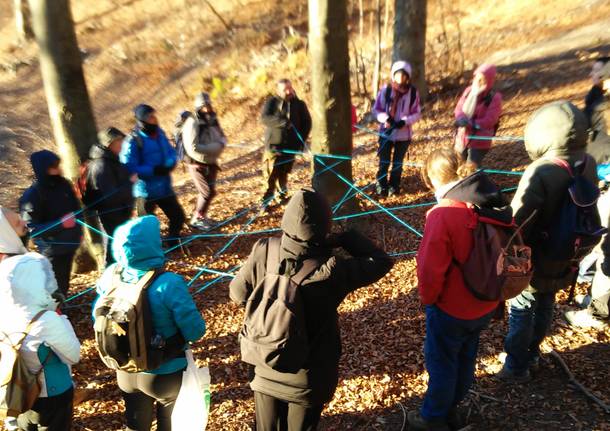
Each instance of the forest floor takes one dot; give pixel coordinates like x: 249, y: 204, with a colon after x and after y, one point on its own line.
x: 136, y: 52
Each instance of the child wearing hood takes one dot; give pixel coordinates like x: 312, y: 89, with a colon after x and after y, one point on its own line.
x: 454, y: 317
x: 175, y: 319
x: 396, y: 108
x: 48, y: 207
x: 49, y: 347
x: 477, y: 115
x: 297, y: 399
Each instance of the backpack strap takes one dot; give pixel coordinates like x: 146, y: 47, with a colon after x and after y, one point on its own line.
x: 144, y: 282
x: 388, y: 96
x: 564, y: 165
x: 308, y: 267
x: 273, y: 255
x: 28, y: 328
x: 489, y: 97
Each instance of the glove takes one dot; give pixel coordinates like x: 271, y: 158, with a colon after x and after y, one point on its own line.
x: 68, y: 221
x: 462, y: 122
x: 400, y: 124
x: 161, y: 170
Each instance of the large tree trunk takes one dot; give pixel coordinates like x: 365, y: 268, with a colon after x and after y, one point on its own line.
x: 410, y: 38
x: 377, y: 70
x: 328, y: 42
x: 23, y: 21
x: 65, y: 89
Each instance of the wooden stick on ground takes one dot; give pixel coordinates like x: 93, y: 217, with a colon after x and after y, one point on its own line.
x: 579, y: 385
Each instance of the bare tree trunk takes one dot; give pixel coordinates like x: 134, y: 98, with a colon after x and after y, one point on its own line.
x: 386, y: 19
x: 361, y: 22
x: 410, y: 38
x: 377, y: 70
x: 65, y: 89
x: 23, y: 21
x: 328, y: 42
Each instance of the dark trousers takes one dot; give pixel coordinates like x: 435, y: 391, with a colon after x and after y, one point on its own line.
x: 62, y: 267
x: 450, y: 351
x: 170, y: 207
x: 531, y: 316
x: 110, y: 224
x: 140, y: 392
x: 49, y: 414
x: 391, y: 153
x: 273, y: 414
x: 276, y: 168
x: 204, y: 179
x: 475, y: 156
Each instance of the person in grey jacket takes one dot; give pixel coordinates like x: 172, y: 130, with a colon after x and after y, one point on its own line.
x: 203, y: 141
x: 556, y: 131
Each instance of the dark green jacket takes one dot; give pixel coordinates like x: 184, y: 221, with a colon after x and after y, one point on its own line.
x: 557, y: 130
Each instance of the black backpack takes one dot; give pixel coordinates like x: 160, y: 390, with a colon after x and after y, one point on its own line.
x: 274, y: 332
x: 123, y: 327
x: 577, y: 229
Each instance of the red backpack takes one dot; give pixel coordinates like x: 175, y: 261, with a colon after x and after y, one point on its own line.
x: 499, y: 266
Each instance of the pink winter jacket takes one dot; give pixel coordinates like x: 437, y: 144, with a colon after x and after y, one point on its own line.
x: 485, y: 117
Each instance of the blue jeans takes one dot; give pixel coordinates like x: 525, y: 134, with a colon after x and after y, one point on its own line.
x: 531, y: 315
x: 450, y: 351
x: 399, y: 148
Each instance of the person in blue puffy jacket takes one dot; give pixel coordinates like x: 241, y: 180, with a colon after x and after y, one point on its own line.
x: 148, y: 153
x: 137, y: 250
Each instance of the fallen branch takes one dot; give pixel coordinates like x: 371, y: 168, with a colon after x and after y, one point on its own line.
x: 579, y: 385
x: 485, y: 397
x: 218, y: 15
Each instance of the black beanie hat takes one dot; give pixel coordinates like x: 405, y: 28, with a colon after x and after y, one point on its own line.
x: 142, y: 111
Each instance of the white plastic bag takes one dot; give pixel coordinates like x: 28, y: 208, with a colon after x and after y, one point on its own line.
x: 193, y: 403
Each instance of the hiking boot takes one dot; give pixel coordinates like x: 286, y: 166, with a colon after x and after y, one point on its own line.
x: 381, y: 191
x: 584, y: 319
x: 417, y: 422
x: 508, y: 376
x: 394, y: 191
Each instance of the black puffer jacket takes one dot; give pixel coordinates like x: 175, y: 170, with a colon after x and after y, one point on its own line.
x: 305, y: 225
x: 280, y: 119
x: 557, y: 130
x: 108, y: 181
x: 44, y: 204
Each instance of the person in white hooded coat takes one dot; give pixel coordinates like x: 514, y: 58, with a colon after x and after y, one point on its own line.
x: 50, y: 347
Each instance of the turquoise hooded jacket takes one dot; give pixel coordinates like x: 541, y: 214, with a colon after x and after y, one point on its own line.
x: 137, y: 249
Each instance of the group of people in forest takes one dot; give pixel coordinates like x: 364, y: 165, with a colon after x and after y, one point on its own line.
x: 291, y: 286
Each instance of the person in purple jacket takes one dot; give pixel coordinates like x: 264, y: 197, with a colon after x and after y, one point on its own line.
x: 397, y: 108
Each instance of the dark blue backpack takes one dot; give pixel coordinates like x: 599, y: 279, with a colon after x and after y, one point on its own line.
x: 577, y: 228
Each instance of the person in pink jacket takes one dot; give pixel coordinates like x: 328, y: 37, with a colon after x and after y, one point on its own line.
x: 477, y: 115
x: 396, y: 108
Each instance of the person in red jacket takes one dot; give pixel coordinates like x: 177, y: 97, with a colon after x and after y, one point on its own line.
x: 454, y: 317
x: 477, y: 115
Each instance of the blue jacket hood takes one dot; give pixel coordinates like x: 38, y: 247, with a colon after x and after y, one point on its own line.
x: 42, y: 161
x: 137, y: 244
